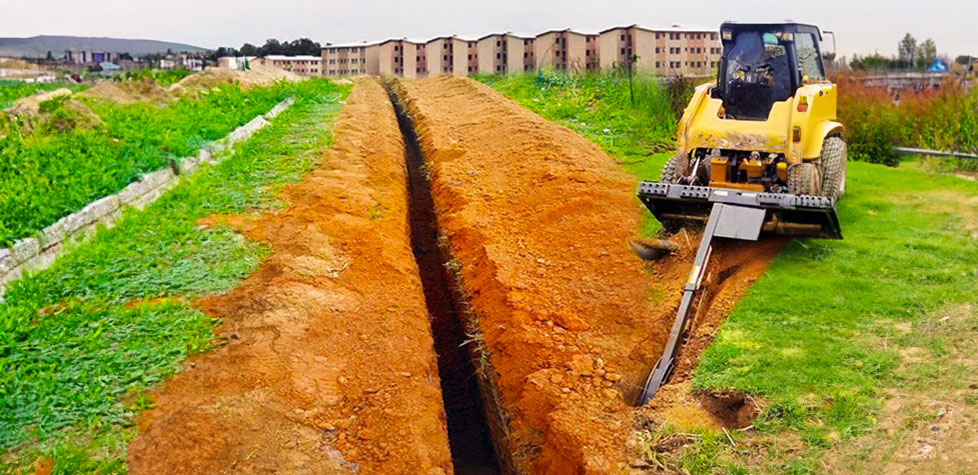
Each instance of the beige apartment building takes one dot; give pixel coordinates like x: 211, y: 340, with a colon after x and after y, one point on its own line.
x: 398, y: 57
x: 504, y: 53
x: 350, y: 59
x: 301, y: 65
x: 448, y: 55
x: 566, y: 50
x: 663, y: 51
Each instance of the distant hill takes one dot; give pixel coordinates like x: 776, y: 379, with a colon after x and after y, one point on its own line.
x: 38, y: 46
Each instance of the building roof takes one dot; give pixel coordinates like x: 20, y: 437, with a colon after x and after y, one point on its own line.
x: 282, y: 57
x: 564, y: 30
x: 349, y: 45
x: 449, y: 37
x: 666, y: 29
x: 506, y: 33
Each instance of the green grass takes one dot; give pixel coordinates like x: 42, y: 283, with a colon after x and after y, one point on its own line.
x: 60, y: 167
x: 815, y: 337
x: 82, y: 341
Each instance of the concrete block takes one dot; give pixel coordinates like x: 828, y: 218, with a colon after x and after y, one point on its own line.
x: 25, y: 249
x: 159, y: 177
x: 53, y: 234
x: 134, y: 191
x: 101, y: 207
x: 44, y: 259
x: 188, y: 166
x: 206, y: 154
x: 279, y: 108
x: 6, y: 261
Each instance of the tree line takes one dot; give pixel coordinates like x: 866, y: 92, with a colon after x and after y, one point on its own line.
x: 299, y: 47
x: 911, y: 56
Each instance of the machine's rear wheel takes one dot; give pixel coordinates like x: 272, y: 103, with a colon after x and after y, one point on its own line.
x: 834, y: 167
x: 804, y: 179
x: 669, y: 172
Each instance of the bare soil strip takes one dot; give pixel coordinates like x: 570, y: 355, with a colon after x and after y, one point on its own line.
x: 328, y: 366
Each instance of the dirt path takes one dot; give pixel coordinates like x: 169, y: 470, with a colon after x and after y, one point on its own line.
x: 329, y: 365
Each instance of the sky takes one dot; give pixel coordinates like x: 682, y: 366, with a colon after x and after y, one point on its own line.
x: 861, y: 27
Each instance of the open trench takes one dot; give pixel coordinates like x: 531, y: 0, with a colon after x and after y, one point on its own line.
x: 469, y: 436
x: 456, y: 262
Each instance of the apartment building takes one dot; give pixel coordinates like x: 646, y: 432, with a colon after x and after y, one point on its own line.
x: 687, y: 51
x: 661, y: 51
x: 350, y: 59
x: 447, y: 55
x: 301, y: 65
x: 398, y: 57
x: 502, y: 53
x: 566, y: 50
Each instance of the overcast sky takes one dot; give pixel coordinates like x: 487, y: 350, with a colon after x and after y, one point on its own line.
x: 861, y: 26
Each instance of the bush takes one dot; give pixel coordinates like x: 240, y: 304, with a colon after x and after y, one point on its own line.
x: 937, y: 119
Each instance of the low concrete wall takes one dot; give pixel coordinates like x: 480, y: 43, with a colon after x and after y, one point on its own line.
x: 39, y: 252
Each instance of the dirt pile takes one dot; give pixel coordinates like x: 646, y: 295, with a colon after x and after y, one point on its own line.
x: 127, y: 92
x: 31, y: 113
x: 257, y: 76
x: 329, y: 364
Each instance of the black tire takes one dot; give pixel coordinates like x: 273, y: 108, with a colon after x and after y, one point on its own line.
x: 804, y: 179
x: 669, y: 172
x: 834, y: 157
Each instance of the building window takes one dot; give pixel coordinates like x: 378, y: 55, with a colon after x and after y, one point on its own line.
x: 656, y: 50
x: 622, y: 38
x: 499, y: 43
x: 396, y: 47
x: 657, y: 64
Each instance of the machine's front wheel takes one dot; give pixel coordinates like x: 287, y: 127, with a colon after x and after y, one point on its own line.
x: 805, y: 179
x: 834, y: 168
x: 669, y: 172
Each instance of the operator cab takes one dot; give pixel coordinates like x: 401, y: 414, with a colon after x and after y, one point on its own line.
x: 764, y: 63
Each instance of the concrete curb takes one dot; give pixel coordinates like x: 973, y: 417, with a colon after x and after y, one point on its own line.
x: 40, y: 251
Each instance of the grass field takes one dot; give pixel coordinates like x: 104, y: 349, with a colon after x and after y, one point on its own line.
x: 81, y: 342
x: 59, y: 166
x: 821, y: 340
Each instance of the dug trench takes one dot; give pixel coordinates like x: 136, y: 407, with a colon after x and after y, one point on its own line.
x: 451, y: 290
x: 564, y: 321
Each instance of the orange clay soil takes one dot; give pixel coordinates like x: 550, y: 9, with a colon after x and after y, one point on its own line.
x: 328, y: 365
x: 538, y: 218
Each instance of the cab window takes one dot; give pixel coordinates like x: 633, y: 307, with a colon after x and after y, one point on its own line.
x: 808, y: 63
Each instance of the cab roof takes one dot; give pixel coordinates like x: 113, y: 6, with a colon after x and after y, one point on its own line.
x: 787, y: 27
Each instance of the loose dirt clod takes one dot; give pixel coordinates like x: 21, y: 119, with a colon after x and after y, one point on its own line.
x: 329, y: 366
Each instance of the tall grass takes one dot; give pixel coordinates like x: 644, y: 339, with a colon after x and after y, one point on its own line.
x: 940, y: 119
x: 627, y: 118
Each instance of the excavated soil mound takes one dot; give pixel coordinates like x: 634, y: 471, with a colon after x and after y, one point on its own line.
x: 537, y: 219
x: 127, y: 92
x: 257, y: 76
x: 328, y: 365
